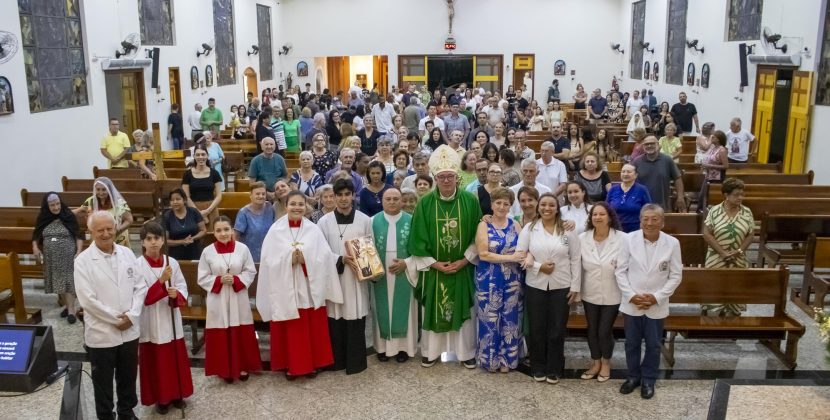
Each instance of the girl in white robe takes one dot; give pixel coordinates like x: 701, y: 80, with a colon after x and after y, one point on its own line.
x: 296, y: 279
x: 226, y: 270
x: 164, y: 367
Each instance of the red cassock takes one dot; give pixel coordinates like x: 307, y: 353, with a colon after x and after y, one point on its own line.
x: 230, y: 339
x: 162, y: 352
x: 293, y: 298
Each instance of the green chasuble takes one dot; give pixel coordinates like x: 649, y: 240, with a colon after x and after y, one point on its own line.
x: 443, y: 230
x: 396, y: 327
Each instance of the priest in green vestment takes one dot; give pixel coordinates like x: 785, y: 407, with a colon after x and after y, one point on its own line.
x: 442, y: 246
x: 396, y: 312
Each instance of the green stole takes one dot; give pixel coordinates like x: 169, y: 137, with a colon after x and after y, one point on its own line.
x: 402, y: 295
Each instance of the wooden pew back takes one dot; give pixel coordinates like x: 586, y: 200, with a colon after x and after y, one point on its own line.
x: 123, y: 184
x: 11, y: 281
x: 715, y: 195
x: 743, y: 286
x: 693, y: 248
x: 693, y: 180
x: 682, y: 223
x: 141, y: 203
x: 818, y: 253
x: 795, y: 206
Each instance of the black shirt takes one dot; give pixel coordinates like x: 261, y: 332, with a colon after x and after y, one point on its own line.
x: 201, y: 189
x: 368, y: 145
x: 484, y: 200
x: 175, y: 119
x: 180, y: 229
x: 561, y: 144
x: 683, y: 115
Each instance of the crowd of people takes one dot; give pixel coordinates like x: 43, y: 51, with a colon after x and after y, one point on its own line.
x: 485, y: 248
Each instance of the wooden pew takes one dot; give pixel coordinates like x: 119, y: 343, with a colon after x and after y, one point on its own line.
x: 735, y: 168
x: 16, y: 229
x: 755, y: 286
x: 715, y: 196
x: 141, y: 204
x: 789, y: 229
x: 132, y: 173
x: 682, y: 223
x: 195, y: 313
x: 693, y: 180
x: 11, y: 292
x: 795, y: 206
x: 693, y: 248
x: 816, y: 280
x: 123, y: 185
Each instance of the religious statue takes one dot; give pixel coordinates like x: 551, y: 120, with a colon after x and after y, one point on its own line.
x: 451, y: 11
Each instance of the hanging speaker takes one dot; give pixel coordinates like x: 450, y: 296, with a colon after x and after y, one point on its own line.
x: 155, y: 79
x: 742, y: 59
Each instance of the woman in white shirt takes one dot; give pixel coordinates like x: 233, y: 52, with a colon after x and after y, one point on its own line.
x: 553, y: 281
x: 575, y: 212
x: 600, y: 293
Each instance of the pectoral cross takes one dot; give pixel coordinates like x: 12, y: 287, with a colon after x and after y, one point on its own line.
x: 158, y: 156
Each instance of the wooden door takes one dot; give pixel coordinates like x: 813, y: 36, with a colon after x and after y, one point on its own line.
x: 132, y: 103
x: 762, y: 116
x: 523, y: 64
x: 337, y: 69
x: 175, y: 87
x: 798, y: 124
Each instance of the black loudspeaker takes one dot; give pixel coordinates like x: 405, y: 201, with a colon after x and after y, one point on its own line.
x: 41, y: 360
x: 742, y: 59
x: 155, y: 81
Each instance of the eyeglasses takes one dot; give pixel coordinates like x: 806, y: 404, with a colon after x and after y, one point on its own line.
x: 494, y: 172
x: 445, y: 178
x: 649, y: 144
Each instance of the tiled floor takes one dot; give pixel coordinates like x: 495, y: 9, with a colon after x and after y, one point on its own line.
x: 392, y: 390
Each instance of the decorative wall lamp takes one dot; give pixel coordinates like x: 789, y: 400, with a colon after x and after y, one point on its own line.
x: 255, y: 50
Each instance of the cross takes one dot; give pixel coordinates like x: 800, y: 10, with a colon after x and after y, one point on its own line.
x: 158, y: 156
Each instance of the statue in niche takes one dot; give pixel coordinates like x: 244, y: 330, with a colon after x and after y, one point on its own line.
x: 451, y: 11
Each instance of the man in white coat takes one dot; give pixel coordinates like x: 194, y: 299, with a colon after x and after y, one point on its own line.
x: 649, y: 269
x: 112, y: 293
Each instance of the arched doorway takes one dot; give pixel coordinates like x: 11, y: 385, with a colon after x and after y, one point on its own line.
x: 319, y: 77
x: 250, y: 82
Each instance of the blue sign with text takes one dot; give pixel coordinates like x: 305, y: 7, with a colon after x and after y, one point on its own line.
x: 15, y: 349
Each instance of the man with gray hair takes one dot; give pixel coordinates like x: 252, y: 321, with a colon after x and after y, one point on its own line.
x: 193, y: 120
x: 112, y: 293
x: 454, y: 142
x: 420, y: 164
x: 552, y: 172
x: 740, y: 143
x: 529, y: 174
x: 347, y: 163
x: 649, y: 269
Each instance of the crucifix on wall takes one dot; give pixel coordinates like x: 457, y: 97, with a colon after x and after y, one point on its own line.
x: 451, y: 11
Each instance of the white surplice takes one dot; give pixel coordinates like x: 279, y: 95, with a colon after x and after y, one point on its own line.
x: 408, y: 344
x: 156, y: 326
x: 227, y: 308
x: 355, y: 303
x: 283, y: 288
x: 463, y: 342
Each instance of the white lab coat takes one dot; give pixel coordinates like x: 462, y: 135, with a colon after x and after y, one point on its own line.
x: 599, y: 283
x: 635, y: 275
x: 104, y: 296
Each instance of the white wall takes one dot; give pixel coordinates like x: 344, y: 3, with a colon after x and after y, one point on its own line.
x: 706, y: 21
x: 551, y: 29
x: 66, y: 142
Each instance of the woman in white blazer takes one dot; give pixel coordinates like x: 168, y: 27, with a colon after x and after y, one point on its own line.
x: 553, y: 282
x: 600, y: 245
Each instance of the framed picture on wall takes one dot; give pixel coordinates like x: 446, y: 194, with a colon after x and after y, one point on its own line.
x: 302, y: 69
x: 6, y: 99
x: 559, y: 68
x: 194, y: 77
x: 209, y: 75
x: 655, y: 71
x: 690, y: 74
x: 646, y: 70
x: 704, y: 76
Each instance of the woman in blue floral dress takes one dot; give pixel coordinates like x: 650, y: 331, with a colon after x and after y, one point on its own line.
x: 499, y: 288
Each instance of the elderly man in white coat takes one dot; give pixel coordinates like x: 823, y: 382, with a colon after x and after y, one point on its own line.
x: 649, y: 269
x: 112, y: 294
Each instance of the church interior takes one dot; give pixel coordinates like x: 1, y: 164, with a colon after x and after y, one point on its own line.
x: 71, y: 67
